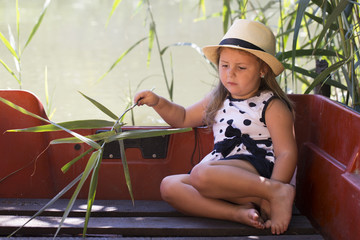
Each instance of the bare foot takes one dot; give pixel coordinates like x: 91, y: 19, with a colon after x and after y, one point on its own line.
x: 247, y: 214
x: 281, y: 208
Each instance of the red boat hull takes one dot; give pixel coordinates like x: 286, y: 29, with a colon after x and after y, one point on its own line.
x: 328, y: 180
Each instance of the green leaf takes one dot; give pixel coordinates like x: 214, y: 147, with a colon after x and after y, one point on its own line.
x: 300, y: 70
x: 101, y: 107
x: 320, y: 21
x: 93, y: 160
x: 324, y: 75
x: 146, y: 133
x: 67, y: 166
x: 336, y: 84
x: 71, y: 125
x: 308, y: 52
x: 115, y: 5
x: 120, y: 58
x: 96, y: 137
x: 8, y: 46
x: 24, y: 111
x: 36, y: 26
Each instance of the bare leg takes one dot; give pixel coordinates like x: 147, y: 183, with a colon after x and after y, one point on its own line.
x: 178, y: 191
x: 220, y: 180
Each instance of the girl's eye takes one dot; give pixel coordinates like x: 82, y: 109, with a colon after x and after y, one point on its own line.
x: 242, y: 68
x: 224, y: 65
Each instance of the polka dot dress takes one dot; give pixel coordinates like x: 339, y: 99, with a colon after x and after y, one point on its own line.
x: 240, y: 132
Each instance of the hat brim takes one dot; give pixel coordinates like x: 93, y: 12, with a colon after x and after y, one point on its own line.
x: 211, y: 53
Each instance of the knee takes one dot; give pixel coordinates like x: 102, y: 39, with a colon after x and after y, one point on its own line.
x: 167, y: 188
x: 200, y: 177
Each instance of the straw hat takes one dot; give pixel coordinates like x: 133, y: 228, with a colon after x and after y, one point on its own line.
x: 251, y: 36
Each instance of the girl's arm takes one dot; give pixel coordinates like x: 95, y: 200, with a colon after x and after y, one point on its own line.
x: 174, y: 114
x: 280, y: 123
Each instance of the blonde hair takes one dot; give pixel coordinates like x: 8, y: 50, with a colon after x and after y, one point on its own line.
x: 219, y: 93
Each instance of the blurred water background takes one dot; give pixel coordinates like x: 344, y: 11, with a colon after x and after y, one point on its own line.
x: 77, y: 48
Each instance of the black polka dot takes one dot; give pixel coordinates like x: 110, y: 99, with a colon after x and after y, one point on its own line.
x: 242, y: 112
x: 221, y: 130
x: 230, y: 121
x: 252, y: 104
x: 231, y: 104
x: 247, y: 122
x: 224, y: 111
x: 221, y: 120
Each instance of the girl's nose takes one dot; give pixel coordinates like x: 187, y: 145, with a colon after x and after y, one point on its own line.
x: 231, y: 72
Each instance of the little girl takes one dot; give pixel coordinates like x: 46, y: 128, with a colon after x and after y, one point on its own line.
x: 255, y: 154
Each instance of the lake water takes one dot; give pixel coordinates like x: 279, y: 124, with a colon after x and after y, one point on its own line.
x: 77, y: 49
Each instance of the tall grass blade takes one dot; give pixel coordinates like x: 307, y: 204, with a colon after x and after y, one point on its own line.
x: 120, y: 58
x: 202, y: 7
x: 151, y: 42
x: 24, y: 111
x: 115, y: 5
x: 92, y: 193
x: 330, y: 19
x: 89, y: 167
x: 299, y: 16
x: 13, y: 45
x: 47, y: 98
x: 10, y: 71
x: 125, y: 165
x: 100, y: 107
x: 51, y: 202
x: 37, y: 24
x: 226, y: 12
x: 18, y: 25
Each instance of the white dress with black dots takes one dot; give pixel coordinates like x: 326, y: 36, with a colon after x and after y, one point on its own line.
x: 240, y: 132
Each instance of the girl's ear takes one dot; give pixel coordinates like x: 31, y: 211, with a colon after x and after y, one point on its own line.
x: 264, y: 69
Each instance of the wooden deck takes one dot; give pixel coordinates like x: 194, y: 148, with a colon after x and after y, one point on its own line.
x: 145, y: 220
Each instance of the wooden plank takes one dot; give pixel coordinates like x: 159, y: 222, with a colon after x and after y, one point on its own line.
x: 121, y: 218
x: 280, y: 237
x: 144, y: 226
x: 106, y: 208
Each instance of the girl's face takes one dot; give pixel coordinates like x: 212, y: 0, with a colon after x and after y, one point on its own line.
x: 239, y: 72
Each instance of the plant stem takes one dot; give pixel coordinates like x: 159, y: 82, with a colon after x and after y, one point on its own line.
x: 169, y: 89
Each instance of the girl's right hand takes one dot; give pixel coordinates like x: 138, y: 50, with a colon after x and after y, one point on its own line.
x: 146, y: 97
